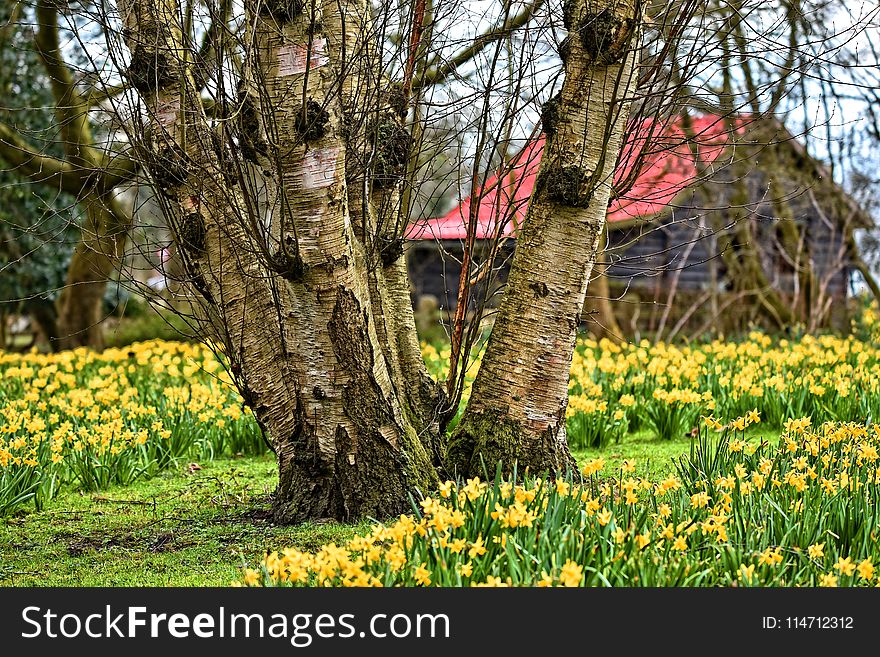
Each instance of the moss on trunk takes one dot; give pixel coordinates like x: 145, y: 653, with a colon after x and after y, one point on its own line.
x: 483, y: 440
x: 377, y: 483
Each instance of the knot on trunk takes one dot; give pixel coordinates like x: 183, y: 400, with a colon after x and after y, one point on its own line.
x: 289, y: 266
x: 198, y: 281
x: 550, y: 115
x: 398, y: 100
x: 540, y: 289
x: 393, y: 144
x: 390, y: 249
x: 568, y: 14
x: 168, y: 166
x: 250, y: 138
x: 150, y: 70
x: 565, y: 50
x: 225, y: 159
x: 604, y: 36
x: 283, y: 11
x: 568, y: 185
x: 311, y: 121
x: 192, y: 234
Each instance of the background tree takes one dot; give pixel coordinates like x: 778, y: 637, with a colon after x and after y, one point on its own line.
x: 35, y: 229
x: 72, y: 162
x: 789, y: 76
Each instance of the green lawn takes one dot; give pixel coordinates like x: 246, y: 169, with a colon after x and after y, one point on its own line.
x: 181, y: 528
x: 652, y: 457
x: 195, y: 527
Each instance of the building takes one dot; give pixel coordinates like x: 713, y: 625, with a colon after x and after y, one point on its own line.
x: 707, y: 224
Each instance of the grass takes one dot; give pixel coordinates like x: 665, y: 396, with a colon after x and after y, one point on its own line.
x: 182, y: 528
x: 654, y: 457
x: 196, y: 525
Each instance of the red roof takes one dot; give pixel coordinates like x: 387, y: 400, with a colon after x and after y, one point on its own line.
x: 666, y: 168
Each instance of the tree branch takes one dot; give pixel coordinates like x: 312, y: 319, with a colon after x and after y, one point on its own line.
x: 8, y: 27
x: 207, y: 50
x: 27, y: 160
x: 97, y: 96
x: 440, y: 73
x: 85, y: 168
x: 70, y: 107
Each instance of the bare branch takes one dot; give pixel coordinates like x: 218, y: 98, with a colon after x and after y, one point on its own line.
x: 70, y: 107
x: 53, y: 172
x: 439, y: 73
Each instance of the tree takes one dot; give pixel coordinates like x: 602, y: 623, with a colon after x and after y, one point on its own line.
x: 86, y: 171
x: 286, y: 216
x: 517, y: 409
x: 786, y: 72
x: 34, y: 228
x: 300, y: 302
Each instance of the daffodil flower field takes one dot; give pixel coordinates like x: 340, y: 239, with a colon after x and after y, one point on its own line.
x: 802, y: 512
x: 618, y: 389
x: 91, y: 420
x: 779, y: 487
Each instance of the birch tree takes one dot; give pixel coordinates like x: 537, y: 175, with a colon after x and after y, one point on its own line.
x: 294, y: 290
x: 516, y: 412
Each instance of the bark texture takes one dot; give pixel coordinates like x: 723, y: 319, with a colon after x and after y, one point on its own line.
x: 516, y: 413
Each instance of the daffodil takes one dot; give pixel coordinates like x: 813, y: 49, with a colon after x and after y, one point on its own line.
x: 571, y: 574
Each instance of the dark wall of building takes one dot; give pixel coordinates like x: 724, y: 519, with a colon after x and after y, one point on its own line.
x: 682, y: 250
x: 646, y: 258
x: 435, y: 269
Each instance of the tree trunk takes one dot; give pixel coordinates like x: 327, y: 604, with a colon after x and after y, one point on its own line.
x: 423, y: 398
x: 288, y: 298
x: 516, y: 412
x: 859, y: 264
x: 80, y: 305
